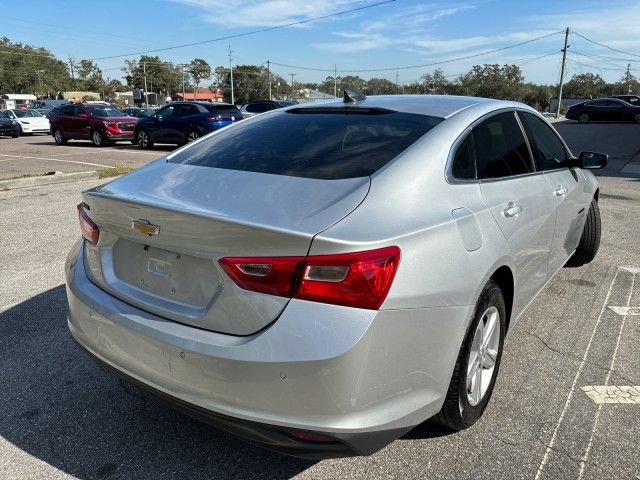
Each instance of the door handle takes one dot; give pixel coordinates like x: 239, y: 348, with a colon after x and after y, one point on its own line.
x: 512, y: 210
x: 560, y: 191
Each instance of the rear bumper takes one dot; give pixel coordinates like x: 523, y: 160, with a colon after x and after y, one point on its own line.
x: 362, y: 377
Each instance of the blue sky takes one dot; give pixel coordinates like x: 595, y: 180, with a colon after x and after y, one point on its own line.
x: 389, y: 36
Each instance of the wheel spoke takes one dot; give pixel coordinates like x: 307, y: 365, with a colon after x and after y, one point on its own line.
x: 489, y: 359
x: 489, y: 329
x: 478, y: 386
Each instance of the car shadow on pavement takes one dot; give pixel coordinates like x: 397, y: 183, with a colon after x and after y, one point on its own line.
x: 118, y: 146
x: 59, y: 407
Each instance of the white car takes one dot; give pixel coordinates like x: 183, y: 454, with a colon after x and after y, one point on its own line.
x: 30, y: 121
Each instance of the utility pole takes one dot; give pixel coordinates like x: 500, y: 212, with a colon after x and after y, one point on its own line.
x: 73, y: 78
x: 269, y: 73
x: 564, y: 59
x: 628, y: 78
x: 144, y: 72
x: 182, y: 65
x: 335, y: 80
x: 233, y: 98
x: 292, y: 92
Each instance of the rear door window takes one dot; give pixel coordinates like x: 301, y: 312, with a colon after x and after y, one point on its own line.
x: 327, y: 143
x: 500, y: 147
x: 548, y: 151
x: 464, y: 166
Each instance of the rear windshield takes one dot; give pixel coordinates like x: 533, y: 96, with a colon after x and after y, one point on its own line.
x: 321, y: 143
x: 222, y: 108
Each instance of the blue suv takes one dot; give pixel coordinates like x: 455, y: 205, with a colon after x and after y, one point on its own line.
x: 182, y: 122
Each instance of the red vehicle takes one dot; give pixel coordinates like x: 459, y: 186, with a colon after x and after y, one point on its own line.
x: 102, y: 124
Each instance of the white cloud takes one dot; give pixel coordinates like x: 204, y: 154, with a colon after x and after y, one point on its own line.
x: 270, y: 13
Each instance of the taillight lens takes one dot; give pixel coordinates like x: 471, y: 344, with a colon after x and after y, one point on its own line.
x: 90, y: 230
x: 360, y: 279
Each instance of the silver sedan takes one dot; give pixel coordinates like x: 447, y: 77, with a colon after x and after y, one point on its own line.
x: 322, y: 278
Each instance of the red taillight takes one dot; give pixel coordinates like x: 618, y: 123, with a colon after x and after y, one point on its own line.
x: 360, y: 279
x: 90, y: 230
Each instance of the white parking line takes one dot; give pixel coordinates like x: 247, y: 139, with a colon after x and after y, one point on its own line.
x: 57, y: 160
x: 552, y: 443
x: 613, y: 393
x: 585, y: 457
x: 113, y: 149
x: 626, y: 311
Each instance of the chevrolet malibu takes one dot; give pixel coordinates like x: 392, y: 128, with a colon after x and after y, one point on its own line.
x: 322, y: 278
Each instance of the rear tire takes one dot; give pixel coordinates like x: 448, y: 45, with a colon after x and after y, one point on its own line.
x: 15, y: 135
x: 478, y: 362
x: 143, y: 140
x: 583, y: 118
x: 58, y: 136
x: 191, y: 136
x: 590, y: 240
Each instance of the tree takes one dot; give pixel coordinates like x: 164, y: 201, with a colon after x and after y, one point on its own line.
x: 627, y: 84
x: 585, y: 85
x: 27, y: 69
x: 437, y: 83
x: 381, y: 86
x: 199, y: 70
x: 493, y: 81
x: 161, y: 76
x: 90, y: 76
x: 250, y: 82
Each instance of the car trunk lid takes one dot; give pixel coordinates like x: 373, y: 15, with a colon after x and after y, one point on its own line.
x: 164, y: 227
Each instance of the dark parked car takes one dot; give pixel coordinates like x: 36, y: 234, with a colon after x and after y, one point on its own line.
x: 102, y: 124
x: 254, y: 108
x: 183, y: 122
x: 8, y: 126
x: 632, y: 99
x: 138, y: 111
x: 607, y: 109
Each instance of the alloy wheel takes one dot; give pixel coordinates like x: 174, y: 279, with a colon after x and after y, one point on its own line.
x: 193, y: 135
x: 143, y: 140
x: 97, y: 138
x: 57, y: 135
x: 482, y: 355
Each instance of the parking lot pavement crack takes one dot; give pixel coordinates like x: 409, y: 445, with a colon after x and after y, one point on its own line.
x: 577, y: 461
x: 577, y: 358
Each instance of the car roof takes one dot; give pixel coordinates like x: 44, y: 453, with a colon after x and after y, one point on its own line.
x: 196, y: 102
x: 442, y: 106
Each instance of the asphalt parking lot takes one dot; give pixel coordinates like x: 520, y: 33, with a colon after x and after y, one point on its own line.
x: 562, y: 408
x: 38, y: 154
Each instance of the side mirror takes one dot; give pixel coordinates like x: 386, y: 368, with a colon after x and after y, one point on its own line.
x: 592, y: 160
x: 83, y: 115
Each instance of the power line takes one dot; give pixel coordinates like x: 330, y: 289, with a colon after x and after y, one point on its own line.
x: 605, y: 46
x: 244, y: 34
x: 595, y: 66
x: 406, y: 67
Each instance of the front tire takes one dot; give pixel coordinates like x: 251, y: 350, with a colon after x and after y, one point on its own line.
x: 590, y: 239
x: 478, y: 362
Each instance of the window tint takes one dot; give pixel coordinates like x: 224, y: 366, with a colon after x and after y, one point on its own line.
x: 259, y: 107
x: 598, y: 103
x: 223, y: 108
x: 327, y: 144
x: 166, y: 111
x: 500, y: 147
x: 548, y: 151
x: 182, y: 110
x: 69, y: 111
x: 464, y: 165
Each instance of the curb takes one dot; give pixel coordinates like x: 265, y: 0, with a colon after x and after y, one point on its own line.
x: 46, y: 180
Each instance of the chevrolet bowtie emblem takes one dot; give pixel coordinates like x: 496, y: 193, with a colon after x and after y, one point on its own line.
x: 145, y: 228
